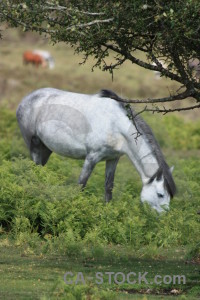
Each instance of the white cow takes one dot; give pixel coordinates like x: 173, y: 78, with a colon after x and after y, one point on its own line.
x: 47, y: 57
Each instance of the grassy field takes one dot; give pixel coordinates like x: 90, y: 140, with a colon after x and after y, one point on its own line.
x: 17, y: 80
x: 40, y: 276
x: 48, y: 226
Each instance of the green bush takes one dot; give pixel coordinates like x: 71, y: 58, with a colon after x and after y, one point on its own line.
x: 47, y: 202
x: 36, y: 199
x: 175, y: 133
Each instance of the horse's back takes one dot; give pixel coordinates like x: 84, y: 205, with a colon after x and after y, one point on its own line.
x: 70, y: 123
x: 87, y: 104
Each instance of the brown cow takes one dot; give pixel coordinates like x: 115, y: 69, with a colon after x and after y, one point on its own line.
x: 33, y: 58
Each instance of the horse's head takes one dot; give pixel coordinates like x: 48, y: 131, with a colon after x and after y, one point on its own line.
x: 157, y: 192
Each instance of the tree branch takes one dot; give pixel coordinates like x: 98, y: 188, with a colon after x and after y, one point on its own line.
x: 89, y: 23
x: 184, y: 95
x: 63, y: 8
x: 111, y: 67
x: 144, y: 64
x: 181, y: 69
x: 165, y: 111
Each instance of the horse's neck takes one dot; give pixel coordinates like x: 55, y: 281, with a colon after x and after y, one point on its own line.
x: 141, y: 155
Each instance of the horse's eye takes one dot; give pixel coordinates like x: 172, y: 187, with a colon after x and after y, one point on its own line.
x: 160, y: 195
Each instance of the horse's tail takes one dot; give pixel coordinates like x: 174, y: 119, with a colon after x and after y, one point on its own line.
x: 110, y: 94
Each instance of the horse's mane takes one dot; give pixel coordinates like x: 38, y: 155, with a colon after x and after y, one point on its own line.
x: 143, y: 128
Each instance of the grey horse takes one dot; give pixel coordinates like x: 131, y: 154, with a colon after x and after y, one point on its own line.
x: 95, y: 128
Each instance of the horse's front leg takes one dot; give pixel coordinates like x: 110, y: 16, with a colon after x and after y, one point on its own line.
x: 109, y: 177
x: 90, y: 161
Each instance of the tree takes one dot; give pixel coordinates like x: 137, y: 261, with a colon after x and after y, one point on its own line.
x: 161, y: 30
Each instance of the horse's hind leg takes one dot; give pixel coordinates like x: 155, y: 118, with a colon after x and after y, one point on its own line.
x: 90, y: 161
x: 109, y: 177
x: 39, y: 152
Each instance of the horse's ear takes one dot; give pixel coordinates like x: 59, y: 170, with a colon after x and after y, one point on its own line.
x: 172, y: 169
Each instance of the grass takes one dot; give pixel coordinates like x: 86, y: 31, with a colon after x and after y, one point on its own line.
x: 38, y: 276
